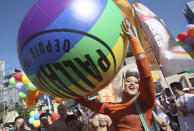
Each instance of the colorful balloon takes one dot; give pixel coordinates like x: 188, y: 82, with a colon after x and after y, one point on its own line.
x: 23, y: 95
x: 54, y: 116
x: 58, y: 100
x: 80, y: 55
x: 13, y: 81
x: 36, y: 124
x: 40, y: 112
x: 182, y: 36
x: 18, y: 86
x: 187, y: 27
x: 25, y: 88
x: 32, y: 114
x: 34, y: 93
x: 31, y: 107
x: 31, y: 86
x: 37, y: 116
x: 190, y: 40
x: 31, y: 121
x: 25, y: 79
x: 30, y: 100
x: 18, y: 76
x: 191, y: 32
x: 40, y: 92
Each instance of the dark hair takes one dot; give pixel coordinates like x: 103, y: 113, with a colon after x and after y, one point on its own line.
x: 167, y: 90
x: 176, y: 85
x: 128, y: 74
x: 43, y: 115
x: 18, y: 117
x: 70, y: 118
x: 78, y: 111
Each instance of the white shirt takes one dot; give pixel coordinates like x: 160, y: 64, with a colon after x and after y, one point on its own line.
x: 162, y: 114
x: 188, y: 101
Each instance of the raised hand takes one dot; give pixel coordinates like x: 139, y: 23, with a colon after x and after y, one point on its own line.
x: 127, y: 30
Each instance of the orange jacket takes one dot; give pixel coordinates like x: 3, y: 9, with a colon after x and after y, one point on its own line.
x: 124, y: 115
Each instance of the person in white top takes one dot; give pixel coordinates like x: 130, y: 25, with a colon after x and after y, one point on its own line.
x: 161, y: 110
x: 184, y: 106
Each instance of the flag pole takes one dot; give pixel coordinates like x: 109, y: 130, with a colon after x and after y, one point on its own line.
x: 160, y: 66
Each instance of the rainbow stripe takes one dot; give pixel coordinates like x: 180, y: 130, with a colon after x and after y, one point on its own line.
x: 181, y: 56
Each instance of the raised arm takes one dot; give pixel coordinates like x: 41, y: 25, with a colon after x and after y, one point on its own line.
x: 147, y: 89
x: 93, y: 105
x: 163, y: 125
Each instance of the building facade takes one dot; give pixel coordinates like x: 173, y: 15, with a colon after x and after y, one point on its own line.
x: 2, y: 73
x: 11, y: 92
x: 189, y: 12
x: 186, y: 78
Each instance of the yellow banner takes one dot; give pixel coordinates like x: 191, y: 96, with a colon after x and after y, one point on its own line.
x: 129, y: 13
x: 156, y: 77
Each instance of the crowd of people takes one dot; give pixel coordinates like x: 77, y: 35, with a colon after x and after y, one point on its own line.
x: 171, y: 113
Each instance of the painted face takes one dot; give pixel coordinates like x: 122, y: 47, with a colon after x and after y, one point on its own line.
x: 131, y: 85
x: 62, y: 110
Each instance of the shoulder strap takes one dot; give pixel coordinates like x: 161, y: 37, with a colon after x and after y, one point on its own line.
x: 143, y: 121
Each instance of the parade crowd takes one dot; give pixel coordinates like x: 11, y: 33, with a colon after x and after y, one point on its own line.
x: 168, y: 116
x: 139, y: 110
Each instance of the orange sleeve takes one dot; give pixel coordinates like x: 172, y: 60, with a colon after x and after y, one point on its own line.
x: 136, y: 46
x: 147, y: 88
x: 93, y: 105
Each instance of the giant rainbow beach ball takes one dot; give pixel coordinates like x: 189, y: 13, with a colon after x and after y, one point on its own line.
x: 71, y: 48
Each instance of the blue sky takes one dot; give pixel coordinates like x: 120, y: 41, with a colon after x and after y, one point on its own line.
x: 13, y: 11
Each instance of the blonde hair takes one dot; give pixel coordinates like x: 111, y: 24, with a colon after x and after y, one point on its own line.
x: 118, y: 82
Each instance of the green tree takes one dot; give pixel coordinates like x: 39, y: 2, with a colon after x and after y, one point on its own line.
x: 21, y: 110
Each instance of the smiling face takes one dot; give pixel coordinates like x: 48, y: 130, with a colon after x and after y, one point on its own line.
x: 131, y: 85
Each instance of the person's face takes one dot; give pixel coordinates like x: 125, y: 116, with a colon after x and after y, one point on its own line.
x: 76, y: 113
x: 19, y: 123
x: 62, y: 111
x: 131, y: 85
x: 74, y: 124
x: 174, y: 90
x: 167, y: 93
x: 44, y: 121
